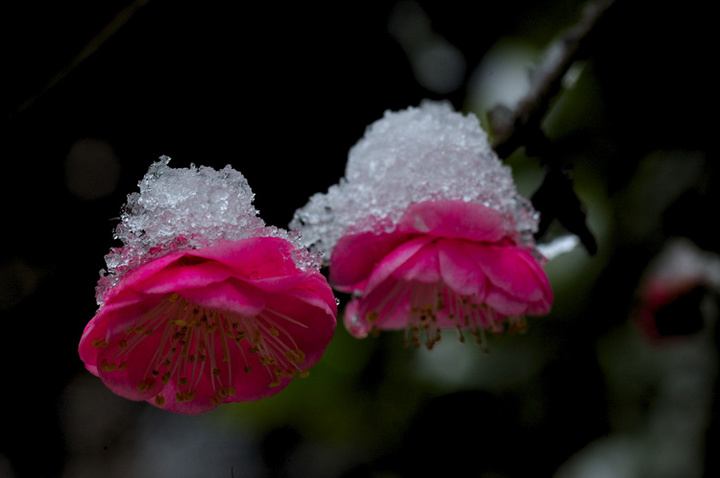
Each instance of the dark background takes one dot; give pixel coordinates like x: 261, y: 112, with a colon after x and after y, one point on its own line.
x: 281, y: 92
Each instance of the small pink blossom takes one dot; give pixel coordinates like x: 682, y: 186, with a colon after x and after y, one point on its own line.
x: 449, y: 264
x: 232, y: 314
x: 672, y: 290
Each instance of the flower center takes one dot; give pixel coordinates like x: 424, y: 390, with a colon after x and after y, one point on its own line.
x: 433, y: 307
x: 200, y: 347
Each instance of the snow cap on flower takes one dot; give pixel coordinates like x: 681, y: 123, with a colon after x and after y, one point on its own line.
x: 419, y: 154
x: 204, y: 304
x: 187, y: 208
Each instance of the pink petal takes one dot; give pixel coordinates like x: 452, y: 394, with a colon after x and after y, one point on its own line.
x: 453, y: 219
x: 459, y: 271
x: 396, y: 259
x: 390, y: 300
x: 143, y: 272
x: 180, y: 276
x: 504, y: 303
x: 422, y: 266
x: 231, y: 296
x: 355, y: 256
x: 310, y: 324
x: 109, y: 322
x: 313, y: 291
x: 514, y: 273
x: 254, y: 258
x: 393, y: 317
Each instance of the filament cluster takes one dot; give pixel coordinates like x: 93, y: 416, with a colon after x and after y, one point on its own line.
x: 190, y: 349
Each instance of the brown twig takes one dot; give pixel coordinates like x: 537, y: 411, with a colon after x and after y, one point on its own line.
x: 521, y: 127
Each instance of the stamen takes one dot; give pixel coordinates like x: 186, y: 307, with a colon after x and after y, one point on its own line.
x: 189, y: 334
x: 431, y: 303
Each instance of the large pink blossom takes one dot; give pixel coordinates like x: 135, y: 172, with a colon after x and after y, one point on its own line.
x: 194, y: 329
x: 426, y: 231
x: 449, y: 264
x: 204, y: 305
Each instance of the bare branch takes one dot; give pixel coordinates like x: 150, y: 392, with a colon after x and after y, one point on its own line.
x: 513, y: 129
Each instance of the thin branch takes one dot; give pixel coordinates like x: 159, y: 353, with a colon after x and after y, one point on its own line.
x: 513, y: 129
x: 120, y: 19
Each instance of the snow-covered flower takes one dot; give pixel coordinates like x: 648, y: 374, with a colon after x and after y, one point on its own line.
x: 203, y: 304
x: 427, y: 232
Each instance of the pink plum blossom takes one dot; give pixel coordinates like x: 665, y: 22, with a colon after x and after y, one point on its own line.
x: 426, y: 231
x: 449, y: 264
x: 673, y: 288
x: 190, y: 328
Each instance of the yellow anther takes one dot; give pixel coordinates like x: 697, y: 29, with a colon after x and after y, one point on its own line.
x: 304, y: 374
x: 274, y: 332
x: 107, y: 366
x: 180, y: 323
x: 274, y: 384
x: 99, y: 343
x: 295, y: 356
x: 257, y: 336
x: 159, y: 400
x: 372, y: 316
x: 145, y: 385
x: 267, y: 360
x: 174, y: 297
x: 122, y: 344
x: 184, y: 396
